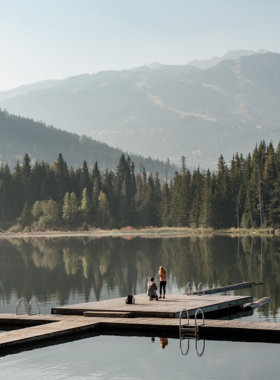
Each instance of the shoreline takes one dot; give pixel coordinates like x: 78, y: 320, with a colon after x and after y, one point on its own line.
x: 144, y: 232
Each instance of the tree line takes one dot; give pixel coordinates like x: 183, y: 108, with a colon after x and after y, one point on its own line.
x: 245, y: 193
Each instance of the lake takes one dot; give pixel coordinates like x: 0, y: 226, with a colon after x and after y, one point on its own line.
x: 61, y: 271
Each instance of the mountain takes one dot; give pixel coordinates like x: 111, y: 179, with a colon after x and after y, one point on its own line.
x: 232, y: 54
x: 42, y: 143
x: 24, y: 89
x: 169, y: 111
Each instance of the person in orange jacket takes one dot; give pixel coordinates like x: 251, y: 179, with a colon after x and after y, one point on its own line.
x: 162, y: 278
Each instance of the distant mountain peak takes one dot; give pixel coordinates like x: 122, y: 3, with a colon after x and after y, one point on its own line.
x: 152, y: 66
x: 231, y: 54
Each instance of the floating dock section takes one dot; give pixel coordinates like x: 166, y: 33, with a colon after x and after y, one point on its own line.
x: 144, y: 318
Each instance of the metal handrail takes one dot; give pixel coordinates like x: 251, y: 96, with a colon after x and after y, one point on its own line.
x: 191, y: 286
x: 201, y: 283
x: 196, y: 325
x: 180, y: 317
x: 196, y: 348
x: 27, y: 307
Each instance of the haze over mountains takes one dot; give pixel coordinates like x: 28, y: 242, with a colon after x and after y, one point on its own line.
x: 166, y: 111
x: 233, y: 54
x: 20, y: 136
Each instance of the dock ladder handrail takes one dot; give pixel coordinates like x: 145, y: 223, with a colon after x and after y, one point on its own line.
x: 201, y: 283
x: 196, y: 325
x: 187, y: 287
x: 180, y: 323
x: 27, y: 307
x: 190, y: 330
x: 183, y: 328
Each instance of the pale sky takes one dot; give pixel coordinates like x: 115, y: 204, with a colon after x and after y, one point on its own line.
x: 54, y: 39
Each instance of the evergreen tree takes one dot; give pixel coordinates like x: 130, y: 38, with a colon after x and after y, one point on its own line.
x: 104, y: 207
x: 207, y: 213
x: 86, y: 205
x: 26, y: 215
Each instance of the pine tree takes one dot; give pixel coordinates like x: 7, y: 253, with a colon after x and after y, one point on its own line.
x: 86, y: 205
x: 85, y: 180
x: 70, y: 207
x: 62, y: 178
x: 207, y: 212
x: 26, y: 215
x: 104, y: 207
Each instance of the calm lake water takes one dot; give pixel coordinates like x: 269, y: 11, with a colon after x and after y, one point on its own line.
x: 61, y: 271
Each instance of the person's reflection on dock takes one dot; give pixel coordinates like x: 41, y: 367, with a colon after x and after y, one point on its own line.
x: 163, y: 342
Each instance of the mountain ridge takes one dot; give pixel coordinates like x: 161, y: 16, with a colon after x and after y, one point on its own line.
x: 169, y: 111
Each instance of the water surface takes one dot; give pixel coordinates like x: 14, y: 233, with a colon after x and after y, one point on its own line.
x: 61, y: 271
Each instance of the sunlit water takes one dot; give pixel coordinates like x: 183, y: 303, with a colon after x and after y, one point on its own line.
x: 60, y: 271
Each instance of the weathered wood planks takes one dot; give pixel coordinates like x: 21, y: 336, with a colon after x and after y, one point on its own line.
x: 62, y: 326
x: 169, y: 307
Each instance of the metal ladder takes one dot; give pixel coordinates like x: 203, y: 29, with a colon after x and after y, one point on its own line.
x: 192, y: 332
x: 28, y: 306
x: 191, y: 286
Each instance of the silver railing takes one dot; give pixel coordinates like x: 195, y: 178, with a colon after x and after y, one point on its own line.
x: 18, y: 302
x: 201, y: 283
x: 196, y: 325
x: 187, y: 287
x: 29, y: 306
x: 190, y: 331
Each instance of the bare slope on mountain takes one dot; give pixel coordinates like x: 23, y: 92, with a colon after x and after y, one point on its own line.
x: 42, y: 143
x: 168, y: 111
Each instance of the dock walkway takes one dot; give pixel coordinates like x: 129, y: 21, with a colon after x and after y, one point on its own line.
x: 169, y: 307
x: 144, y: 318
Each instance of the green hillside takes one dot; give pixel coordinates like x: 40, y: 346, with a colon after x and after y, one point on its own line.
x: 42, y: 143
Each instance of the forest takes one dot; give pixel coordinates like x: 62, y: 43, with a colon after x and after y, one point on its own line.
x: 20, y: 135
x: 244, y: 193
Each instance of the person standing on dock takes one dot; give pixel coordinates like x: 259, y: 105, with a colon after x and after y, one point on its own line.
x: 162, y: 281
x: 152, y: 287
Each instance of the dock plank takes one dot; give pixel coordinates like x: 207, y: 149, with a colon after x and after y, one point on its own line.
x: 164, y: 308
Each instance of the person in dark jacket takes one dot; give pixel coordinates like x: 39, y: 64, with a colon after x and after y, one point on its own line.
x: 152, y: 288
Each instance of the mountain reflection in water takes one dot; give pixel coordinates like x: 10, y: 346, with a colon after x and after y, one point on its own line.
x: 70, y: 270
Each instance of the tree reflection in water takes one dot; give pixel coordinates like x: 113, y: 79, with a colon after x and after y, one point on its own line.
x: 48, y: 267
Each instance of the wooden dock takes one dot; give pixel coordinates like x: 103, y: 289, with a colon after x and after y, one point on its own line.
x: 144, y: 318
x: 48, y: 329
x: 169, y: 307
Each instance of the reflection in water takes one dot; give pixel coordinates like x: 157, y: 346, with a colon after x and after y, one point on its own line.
x: 64, y: 270
x: 199, y: 353
x: 118, y: 357
x: 163, y: 342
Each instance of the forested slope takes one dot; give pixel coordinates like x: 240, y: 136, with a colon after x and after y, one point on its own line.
x: 20, y: 135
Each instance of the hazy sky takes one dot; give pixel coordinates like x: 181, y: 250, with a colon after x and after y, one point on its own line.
x: 53, y: 39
